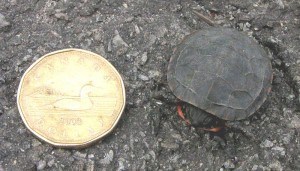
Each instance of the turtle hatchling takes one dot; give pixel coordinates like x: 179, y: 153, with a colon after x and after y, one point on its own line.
x: 219, y: 72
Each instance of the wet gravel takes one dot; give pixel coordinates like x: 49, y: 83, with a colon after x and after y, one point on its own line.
x: 137, y: 37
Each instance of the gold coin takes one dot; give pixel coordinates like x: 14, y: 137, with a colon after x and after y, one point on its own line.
x: 71, y: 98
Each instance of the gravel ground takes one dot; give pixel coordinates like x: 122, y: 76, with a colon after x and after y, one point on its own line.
x: 137, y: 37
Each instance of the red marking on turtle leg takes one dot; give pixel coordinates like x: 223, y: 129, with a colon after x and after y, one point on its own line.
x: 181, y: 114
x: 216, y: 129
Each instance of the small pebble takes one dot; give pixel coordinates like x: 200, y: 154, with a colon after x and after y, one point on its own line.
x: 258, y: 168
x: 266, y: 144
x: 152, y: 153
x: 90, y: 165
x: 169, y: 145
x: 295, y: 123
x: 137, y: 29
x: 125, y: 5
x: 79, y: 155
x: 107, y: 158
x: 279, y: 3
x: 279, y: 150
x: 229, y: 164
x: 154, y: 74
x: 286, y: 138
x: 121, y: 164
x: 142, y: 134
x: 109, y: 46
x: 61, y: 16
x: 41, y: 165
x: 118, y: 41
x: 35, y: 143
x: 1, y: 110
x: 91, y: 156
x: 129, y: 19
x: 50, y: 163
x: 2, y: 80
x: 143, y: 77
x: 276, y: 166
x: 143, y: 58
x: 176, y: 136
x: 120, y: 46
x: 3, y: 22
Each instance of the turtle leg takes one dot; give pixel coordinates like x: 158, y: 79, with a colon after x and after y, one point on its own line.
x: 202, y: 120
x: 181, y: 114
x: 215, y: 129
x: 188, y: 122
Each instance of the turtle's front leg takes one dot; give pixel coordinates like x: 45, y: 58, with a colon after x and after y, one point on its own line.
x: 198, y: 119
x: 181, y: 114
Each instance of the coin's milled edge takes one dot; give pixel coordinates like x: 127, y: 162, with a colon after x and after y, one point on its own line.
x: 71, y: 145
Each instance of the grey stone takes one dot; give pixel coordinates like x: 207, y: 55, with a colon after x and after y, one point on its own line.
x: 126, y: 148
x: 109, y: 49
x: 35, y: 143
x: 280, y: 3
x: 61, y: 16
x: 170, y: 145
x: 279, y: 62
x: 143, y: 59
x: 276, y: 166
x: 266, y: 144
x: 295, y: 123
x: 137, y: 29
x: 121, y: 166
x: 26, y: 58
x: 152, y: 153
x: 120, y: 46
x: 79, y: 155
x: 174, y: 158
x: 142, y: 134
x: 176, y: 136
x: 143, y: 77
x: 91, y: 156
x: 286, y: 138
x: 254, y: 168
x: 118, y: 41
x: 3, y: 22
x: 51, y: 163
x: 258, y: 168
x: 90, y: 166
x: 2, y: 80
x: 16, y: 40
x: 107, y: 158
x: 129, y: 19
x: 41, y: 165
x: 154, y: 74
x: 279, y: 150
x: 229, y: 164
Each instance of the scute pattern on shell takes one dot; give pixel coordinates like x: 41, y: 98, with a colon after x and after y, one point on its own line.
x: 221, y: 71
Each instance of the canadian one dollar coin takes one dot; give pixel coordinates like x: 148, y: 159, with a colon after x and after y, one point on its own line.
x: 71, y: 98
